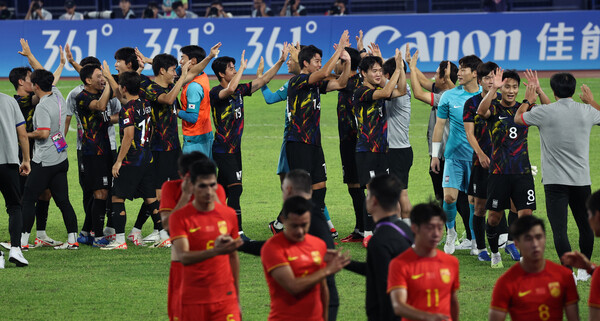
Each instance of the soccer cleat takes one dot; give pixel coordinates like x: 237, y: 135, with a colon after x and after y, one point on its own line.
x: 582, y: 275
x: 110, y: 237
x: 25, y: 248
x: 68, y: 246
x: 16, y: 256
x: 511, y: 250
x: 5, y: 245
x: 449, y: 246
x: 484, y: 256
x: 136, y: 238
x: 365, y: 241
x: 334, y: 233
x: 464, y: 245
x: 114, y: 245
x: 497, y: 261
x: 1, y: 260
x: 352, y: 238
x: 46, y: 242
x: 474, y: 249
x: 101, y: 242
x: 85, y: 239
x: 152, y: 237
x: 166, y: 243
x: 502, y: 239
x: 274, y: 229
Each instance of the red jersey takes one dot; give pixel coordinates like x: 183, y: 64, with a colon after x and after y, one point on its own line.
x: 211, y: 280
x: 304, y: 258
x: 594, y: 300
x: 171, y: 192
x: 535, y: 296
x: 429, y: 281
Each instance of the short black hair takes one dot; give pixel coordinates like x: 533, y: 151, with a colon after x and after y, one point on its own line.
x: 202, y: 168
x: 43, y: 78
x: 470, y: 61
x: 511, y: 74
x: 524, y: 224
x: 163, y: 61
x: 453, y: 70
x: 131, y: 81
x: 296, y: 205
x: 193, y: 51
x: 368, y: 62
x: 128, y: 55
x: 485, y: 69
x: 354, y: 57
x: 423, y: 213
x: 176, y: 5
x: 220, y: 64
x: 16, y: 74
x: 89, y: 60
x: 563, y: 84
x: 386, y: 188
x: 185, y: 161
x: 593, y: 202
x: 87, y: 71
x: 389, y: 66
x: 307, y: 53
x: 300, y: 180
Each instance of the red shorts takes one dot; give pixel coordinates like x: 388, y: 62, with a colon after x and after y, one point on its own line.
x: 174, y: 291
x: 219, y: 311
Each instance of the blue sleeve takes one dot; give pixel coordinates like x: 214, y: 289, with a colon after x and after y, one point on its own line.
x: 274, y: 97
x: 443, y: 110
x: 195, y: 94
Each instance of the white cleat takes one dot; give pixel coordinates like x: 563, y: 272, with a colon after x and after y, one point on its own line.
x: 502, y: 239
x: 464, y: 245
x: 152, y: 237
x: 449, y: 246
x: 582, y: 275
x: 16, y: 256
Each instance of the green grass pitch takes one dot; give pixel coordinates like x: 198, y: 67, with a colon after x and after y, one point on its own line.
x: 132, y: 284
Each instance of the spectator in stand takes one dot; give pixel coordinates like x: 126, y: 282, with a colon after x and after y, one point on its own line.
x: 338, y: 9
x: 71, y: 14
x: 292, y: 8
x: 125, y: 12
x: 216, y: 10
x: 495, y: 5
x: 260, y: 9
x: 5, y: 14
x: 167, y: 6
x: 181, y: 12
x: 36, y: 12
x: 151, y: 11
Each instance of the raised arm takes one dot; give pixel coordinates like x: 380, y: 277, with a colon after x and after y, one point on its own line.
x: 374, y: 50
x: 400, y: 89
x: 266, y: 77
x: 386, y: 92
x: 360, y: 46
x: 26, y: 51
x: 60, y: 67
x: 235, y: 81
x: 70, y: 59
x: 532, y: 78
x: 110, y: 80
x: 170, y: 97
x: 530, y: 96
x: 328, y: 67
x: 198, y: 68
x: 100, y: 104
x: 342, y: 80
x: 587, y: 97
x: 415, y: 84
x: 484, y: 106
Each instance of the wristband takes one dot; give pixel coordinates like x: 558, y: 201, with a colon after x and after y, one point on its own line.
x: 435, y: 149
x: 362, y: 51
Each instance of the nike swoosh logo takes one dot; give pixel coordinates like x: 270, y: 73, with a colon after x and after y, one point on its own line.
x: 456, y: 106
x: 292, y: 258
x: 417, y: 276
x: 529, y: 203
x: 193, y: 230
x: 503, y: 117
x: 522, y: 294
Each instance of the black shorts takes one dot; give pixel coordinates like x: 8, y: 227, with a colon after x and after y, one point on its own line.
x: 370, y: 165
x: 478, y: 182
x: 135, y: 182
x: 9, y: 186
x: 400, y: 161
x: 165, y: 167
x: 230, y: 168
x: 348, y: 155
x: 517, y: 187
x: 307, y: 157
x: 97, y: 172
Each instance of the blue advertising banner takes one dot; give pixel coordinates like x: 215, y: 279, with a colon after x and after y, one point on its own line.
x: 541, y: 41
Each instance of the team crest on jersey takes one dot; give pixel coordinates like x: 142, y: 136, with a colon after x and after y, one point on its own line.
x: 125, y: 121
x: 316, y: 257
x: 445, y: 275
x: 554, y: 288
x: 222, y: 227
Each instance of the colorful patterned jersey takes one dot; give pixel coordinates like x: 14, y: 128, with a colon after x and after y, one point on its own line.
x: 94, y: 123
x: 166, y: 136
x: 372, y: 124
x: 509, y: 141
x: 483, y: 132
x: 345, y: 110
x: 304, y: 109
x: 27, y: 108
x: 137, y: 113
x: 228, y: 117
x: 145, y: 82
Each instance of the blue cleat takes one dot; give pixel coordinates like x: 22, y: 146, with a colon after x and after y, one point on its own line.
x: 511, y: 250
x: 101, y: 242
x: 484, y: 256
x: 85, y: 239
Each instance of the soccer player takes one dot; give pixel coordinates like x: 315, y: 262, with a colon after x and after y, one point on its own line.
x: 458, y: 153
x: 91, y: 104
x: 13, y: 132
x: 429, y: 275
x: 390, y: 238
x: 296, y: 266
x: 205, y: 238
x: 535, y: 288
x: 565, y: 128
x: 132, y: 170
x: 227, y: 104
x: 510, y: 171
x: 303, y: 141
x: 369, y: 106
